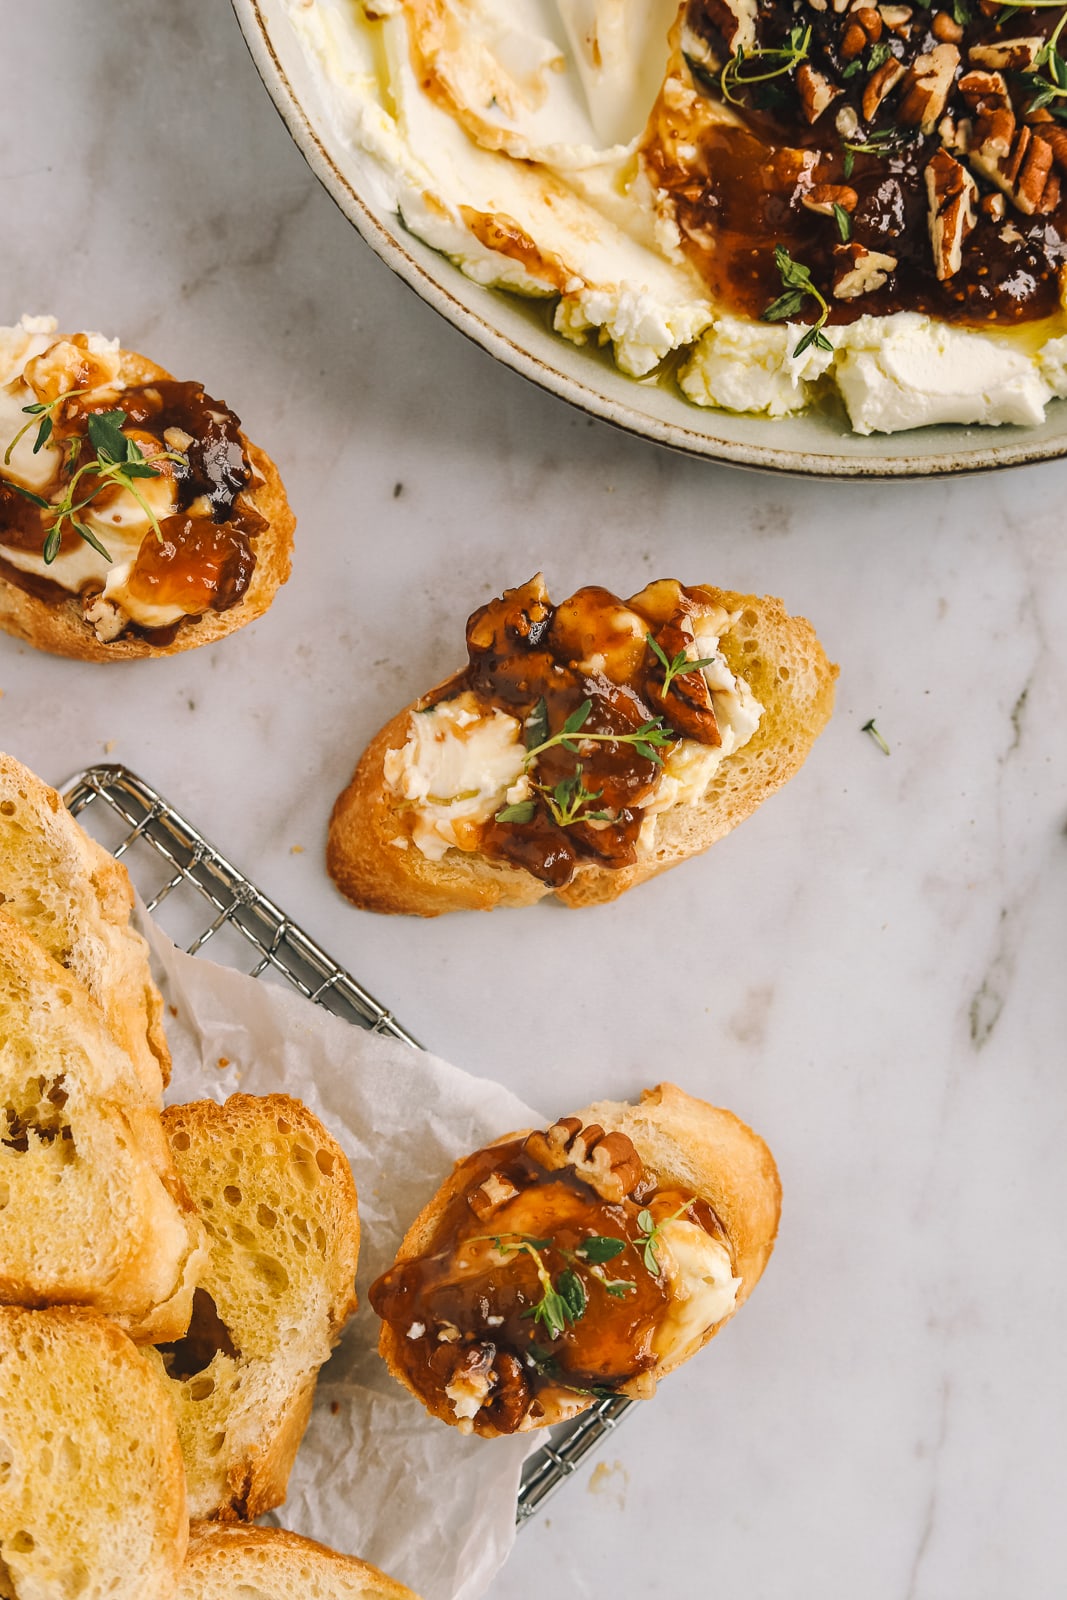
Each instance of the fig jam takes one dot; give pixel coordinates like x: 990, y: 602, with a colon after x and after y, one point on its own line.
x: 465, y: 1311
x: 734, y: 162
x: 589, y: 662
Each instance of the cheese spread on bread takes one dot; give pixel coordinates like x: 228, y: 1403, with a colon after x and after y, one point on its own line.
x: 559, y: 1267
x: 148, y: 546
x: 472, y: 776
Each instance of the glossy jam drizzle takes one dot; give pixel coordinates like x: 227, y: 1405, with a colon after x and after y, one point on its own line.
x: 203, y: 559
x: 463, y: 1311
x: 742, y: 182
x: 524, y: 651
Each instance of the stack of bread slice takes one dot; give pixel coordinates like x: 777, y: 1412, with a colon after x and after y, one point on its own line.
x: 224, y: 1236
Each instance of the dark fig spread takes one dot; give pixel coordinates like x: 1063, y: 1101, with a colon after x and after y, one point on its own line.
x: 909, y: 158
x: 546, y: 1280
x: 137, y: 498
x: 608, y: 700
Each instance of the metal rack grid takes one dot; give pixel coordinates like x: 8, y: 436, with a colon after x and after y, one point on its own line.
x: 176, y: 870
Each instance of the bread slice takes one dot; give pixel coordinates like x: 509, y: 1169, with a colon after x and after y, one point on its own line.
x: 777, y: 655
x: 279, y: 1204
x: 92, y: 1491
x: 91, y: 1208
x: 683, y: 1144
x: 76, y: 900
x: 58, y: 626
x: 241, y: 1563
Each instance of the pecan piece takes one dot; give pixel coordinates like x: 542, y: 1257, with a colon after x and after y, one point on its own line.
x: 1017, y: 160
x: 1009, y: 55
x: 926, y: 87
x: 952, y: 194
x: 881, y: 81
x: 860, y: 271
x: 492, y: 1193
x: 823, y: 197
x: 816, y: 91
x: 608, y: 1162
x: 946, y: 28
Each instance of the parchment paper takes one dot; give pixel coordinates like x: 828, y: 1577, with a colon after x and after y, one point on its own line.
x: 376, y: 1476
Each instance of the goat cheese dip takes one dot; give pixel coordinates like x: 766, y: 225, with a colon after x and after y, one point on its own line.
x: 583, y: 151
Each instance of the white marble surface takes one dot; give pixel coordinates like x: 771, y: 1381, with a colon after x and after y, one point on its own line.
x: 871, y: 970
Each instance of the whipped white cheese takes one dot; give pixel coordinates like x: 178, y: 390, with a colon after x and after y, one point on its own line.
x: 703, y: 1288
x: 460, y: 764
x: 456, y: 769
x: 116, y: 517
x: 897, y: 372
x: 533, y: 128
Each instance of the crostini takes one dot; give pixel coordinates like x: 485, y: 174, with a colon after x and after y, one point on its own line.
x: 558, y: 1267
x: 136, y: 519
x: 586, y: 747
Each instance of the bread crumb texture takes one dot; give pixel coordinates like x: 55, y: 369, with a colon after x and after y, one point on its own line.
x: 272, y: 1564
x: 92, y: 1503
x: 278, y: 1201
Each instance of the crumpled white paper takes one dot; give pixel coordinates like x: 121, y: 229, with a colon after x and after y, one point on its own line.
x: 376, y: 1476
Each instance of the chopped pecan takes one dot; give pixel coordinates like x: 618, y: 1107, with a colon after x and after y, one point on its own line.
x: 1056, y: 138
x: 897, y: 19
x: 1008, y: 55
x: 884, y: 79
x: 946, y: 28
x: 816, y: 91
x: 952, y: 194
x: 926, y: 87
x: 854, y: 42
x: 994, y: 206
x: 955, y: 135
x: 823, y: 197
x: 490, y: 1194
x: 1017, y: 160
x: 608, y: 1162
x: 860, y: 271
x: 736, y: 21
x: 870, y: 20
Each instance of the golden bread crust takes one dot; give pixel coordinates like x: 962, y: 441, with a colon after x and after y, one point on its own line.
x: 46, y: 857
x: 90, y: 1157
x: 688, y: 1144
x: 282, y: 1201
x: 75, y: 1391
x: 61, y: 630
x: 785, y: 666
x: 279, y: 1565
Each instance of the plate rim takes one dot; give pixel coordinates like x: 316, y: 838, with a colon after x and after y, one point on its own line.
x: 673, y: 435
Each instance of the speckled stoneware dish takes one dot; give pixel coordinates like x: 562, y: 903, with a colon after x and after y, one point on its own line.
x: 516, y: 331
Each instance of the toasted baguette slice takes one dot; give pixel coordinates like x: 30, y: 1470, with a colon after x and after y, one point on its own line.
x: 686, y: 1144
x: 76, y: 900
x: 92, y: 1490
x: 92, y: 1211
x: 58, y: 626
x: 777, y: 655
x: 239, y: 1563
x: 279, y: 1203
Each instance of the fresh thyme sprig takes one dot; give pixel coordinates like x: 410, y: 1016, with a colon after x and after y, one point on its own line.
x: 120, y: 461
x: 796, y: 281
x: 886, y: 142
x: 680, y: 664
x: 561, y: 1302
x: 42, y: 410
x: 1050, y: 86
x: 734, y: 76
x: 869, y: 727
x: 647, y: 740
x: 565, y: 801
x: 648, y: 1239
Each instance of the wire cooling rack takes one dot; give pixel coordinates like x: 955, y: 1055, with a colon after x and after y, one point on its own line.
x: 198, y: 896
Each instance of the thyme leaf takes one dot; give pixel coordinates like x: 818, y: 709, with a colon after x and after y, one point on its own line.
x: 797, y: 282
x: 680, y: 664
x: 737, y: 75
x: 647, y: 740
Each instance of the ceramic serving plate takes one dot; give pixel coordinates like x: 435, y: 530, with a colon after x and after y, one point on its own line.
x: 517, y: 333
